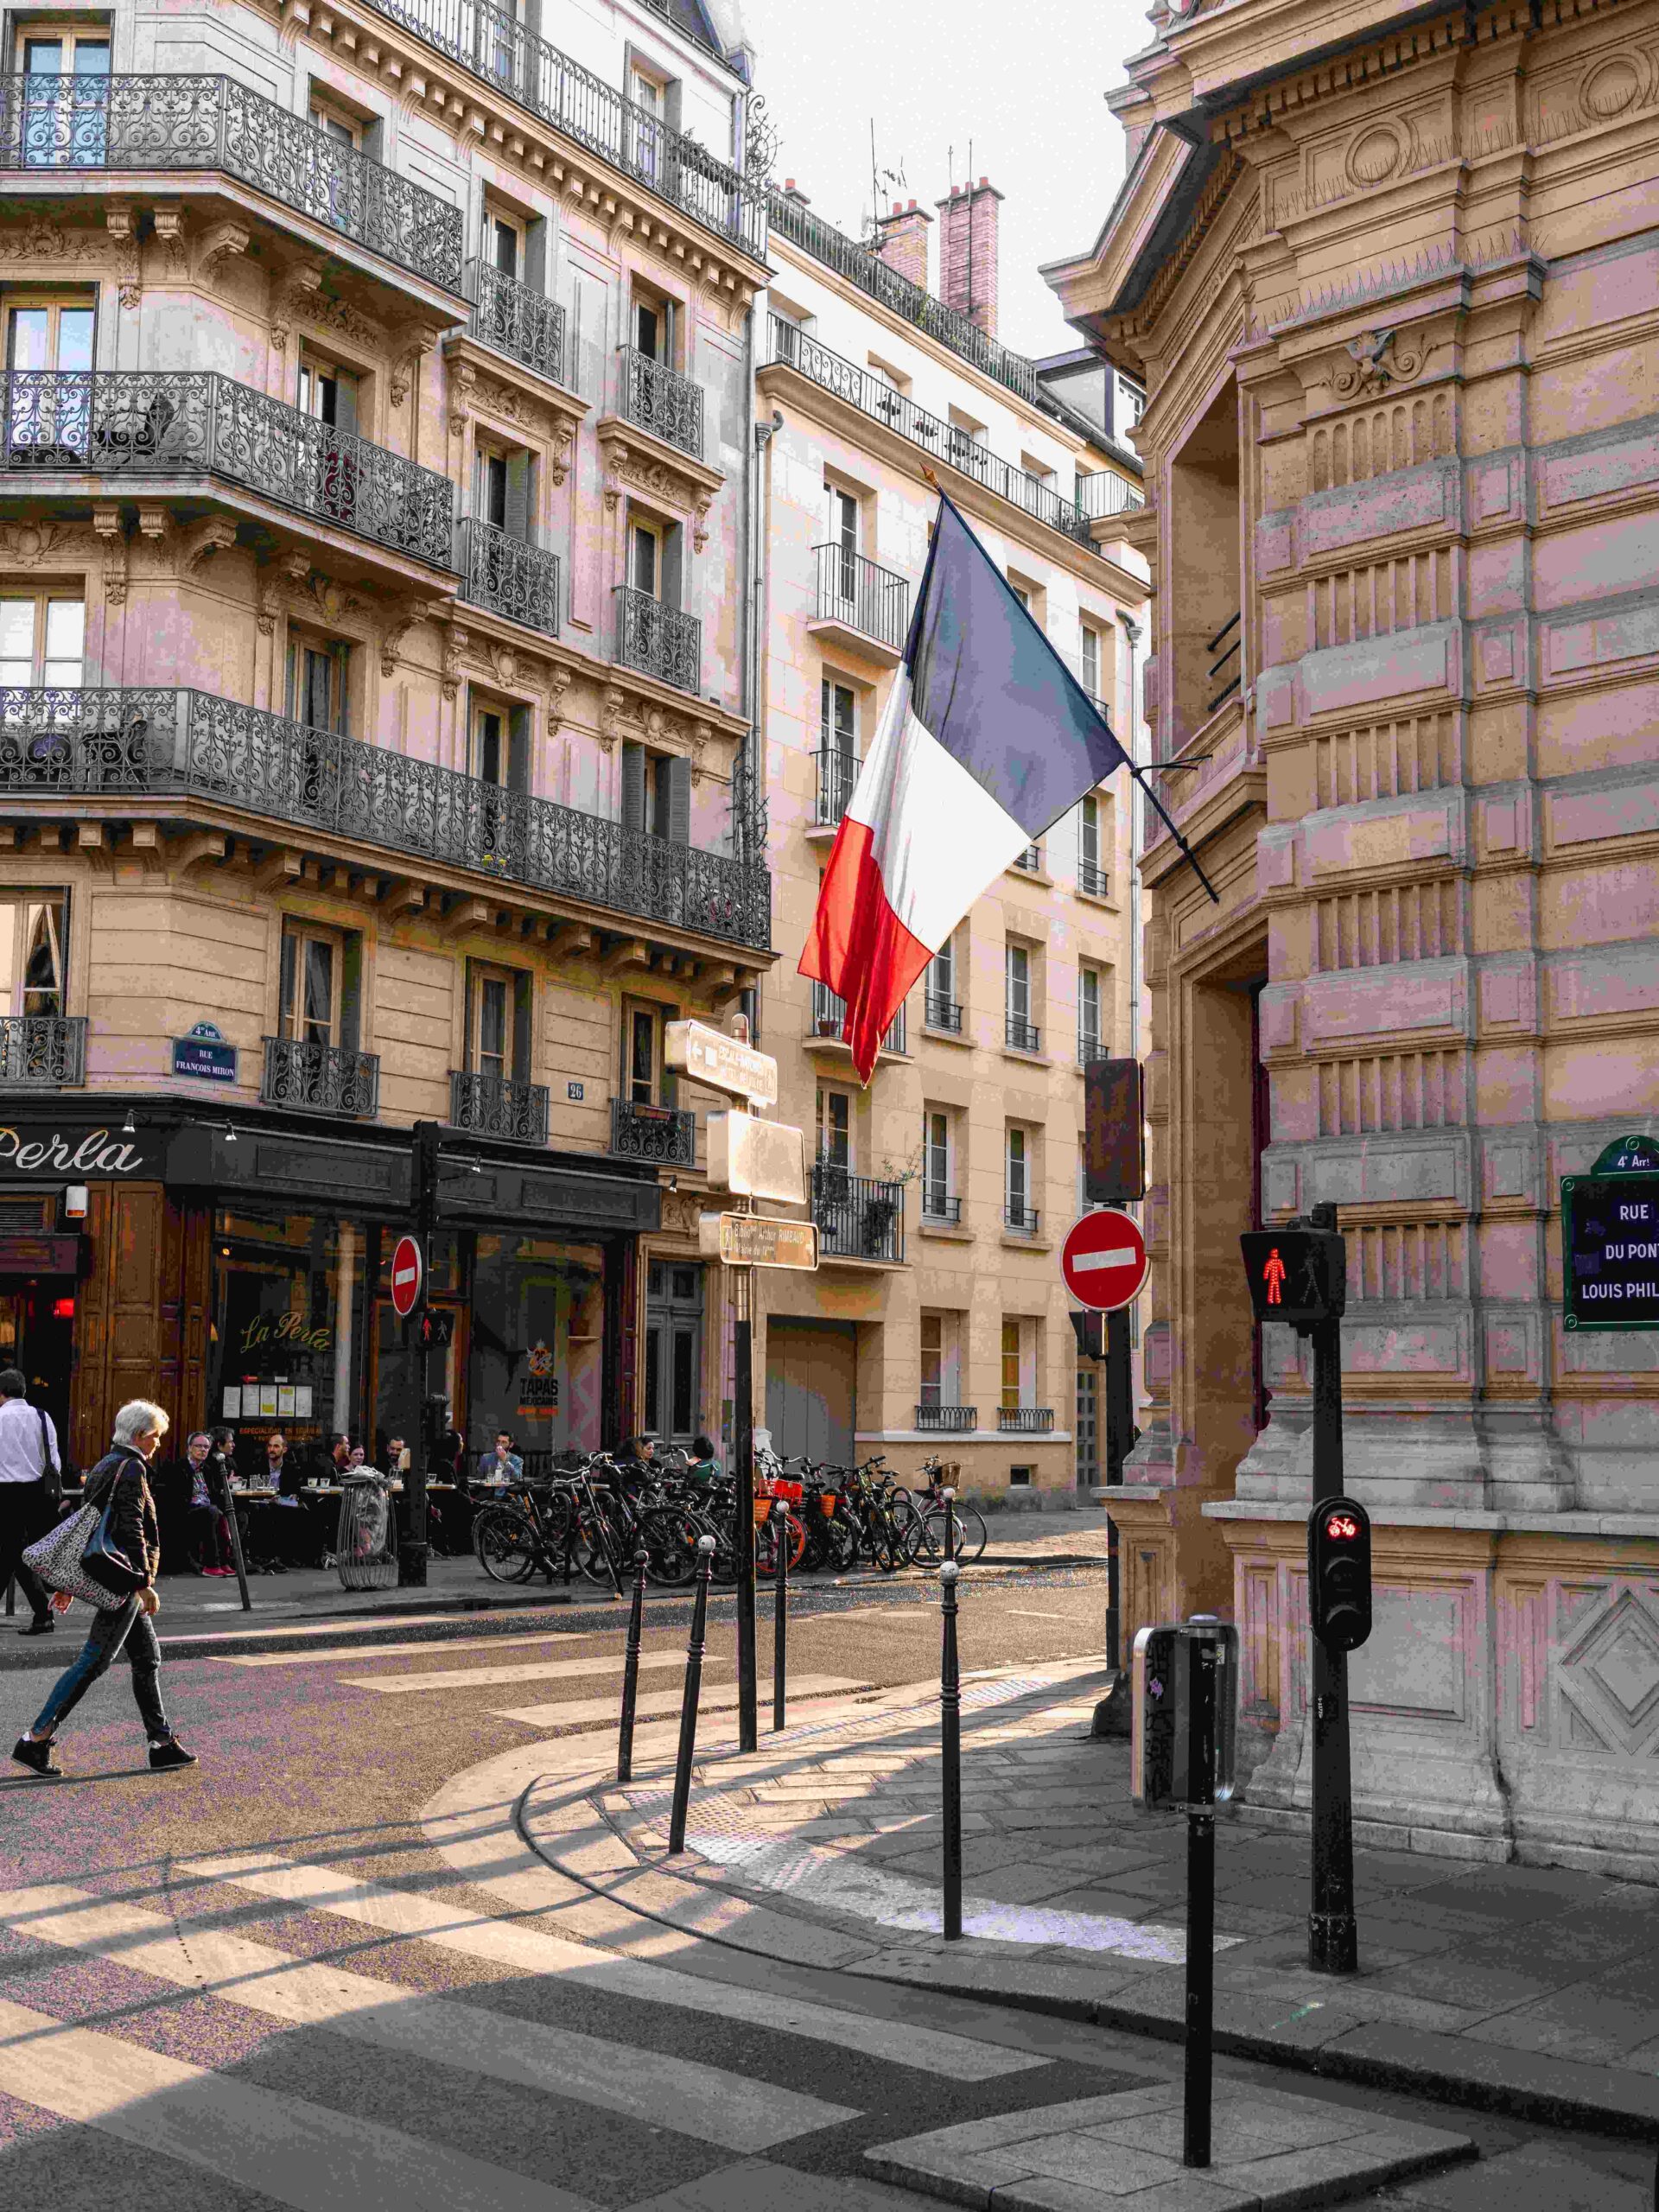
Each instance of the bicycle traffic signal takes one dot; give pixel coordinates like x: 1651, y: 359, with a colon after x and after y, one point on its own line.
x: 1295, y: 1274
x: 1340, y: 1573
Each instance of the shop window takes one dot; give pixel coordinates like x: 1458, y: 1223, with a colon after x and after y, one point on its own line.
x: 287, y: 1332
x: 33, y: 932
x: 42, y: 636
x: 499, y: 1026
x: 320, y: 980
x: 534, y: 1347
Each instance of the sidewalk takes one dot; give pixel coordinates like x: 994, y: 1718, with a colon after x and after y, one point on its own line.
x: 1528, y: 1990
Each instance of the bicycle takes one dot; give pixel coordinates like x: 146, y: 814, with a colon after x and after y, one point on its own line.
x: 926, y: 1544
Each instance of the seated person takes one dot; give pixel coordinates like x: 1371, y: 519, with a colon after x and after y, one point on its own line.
x: 501, y: 1464
x: 705, y: 1468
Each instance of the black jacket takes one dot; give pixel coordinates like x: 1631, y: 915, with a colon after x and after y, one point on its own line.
x: 136, y: 1532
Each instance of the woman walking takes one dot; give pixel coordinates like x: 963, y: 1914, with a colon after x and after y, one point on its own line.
x: 119, y: 1479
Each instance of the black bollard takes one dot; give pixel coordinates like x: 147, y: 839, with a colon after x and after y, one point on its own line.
x: 1200, y: 1985
x: 688, y: 1750
x: 950, y: 1749
x: 780, y: 1616
x: 631, y: 1671
x: 949, y: 1524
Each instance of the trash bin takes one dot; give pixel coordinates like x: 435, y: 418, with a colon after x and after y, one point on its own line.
x: 365, y: 1551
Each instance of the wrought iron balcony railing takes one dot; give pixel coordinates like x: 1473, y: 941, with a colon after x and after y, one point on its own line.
x: 666, y: 1136
x: 1093, y: 880
x: 837, y: 773
x: 1021, y: 1035
x: 1019, y: 1217
x: 657, y: 639
x: 169, y: 422
x: 856, y: 594
x: 659, y: 399
x: 320, y: 1078
x: 510, y: 319
x: 42, y: 1051
x: 1101, y: 493
x: 943, y: 442
x: 830, y: 1013
x: 1224, y: 664
x: 156, y: 741
x: 937, y: 1205
x: 954, y: 1418
x: 494, y: 45
x: 497, y: 1106
x: 858, y: 1219
x: 1024, y: 1421
x: 1091, y: 1046
x: 501, y: 572
x: 939, y: 1013
x: 189, y: 122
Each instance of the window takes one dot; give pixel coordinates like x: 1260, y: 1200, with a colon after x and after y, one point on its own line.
x: 41, y: 636
x: 1090, y: 645
x: 1017, y: 1178
x: 489, y: 745
x: 329, y: 392
x: 883, y: 372
x: 1021, y: 1035
x: 646, y: 558
x: 652, y: 322
x: 940, y: 1008
x: 492, y: 492
x: 1012, y: 1365
x: 504, y: 245
x: 940, y: 1367
x: 33, y: 933
x: 65, y: 52
x: 344, y: 130
x: 657, y: 793
x: 1090, y: 1001
x: 836, y: 1127
x: 313, y: 971
x: 939, y: 1163
x: 1088, y: 833
x: 63, y: 120
x: 497, y: 1022
x: 317, y: 685
x: 838, y: 719
x: 50, y: 334
x: 843, y: 518
x: 643, y: 1079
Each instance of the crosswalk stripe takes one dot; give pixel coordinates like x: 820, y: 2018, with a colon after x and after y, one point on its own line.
x: 540, y: 1670
x: 703, y: 2101
x: 419, y: 1915
x: 583, y: 1711
x: 325, y: 1655
x: 284, y: 2147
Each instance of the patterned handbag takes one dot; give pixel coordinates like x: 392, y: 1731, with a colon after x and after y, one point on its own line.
x: 59, y: 1557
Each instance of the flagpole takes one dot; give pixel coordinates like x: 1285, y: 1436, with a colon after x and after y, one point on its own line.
x: 1133, y: 767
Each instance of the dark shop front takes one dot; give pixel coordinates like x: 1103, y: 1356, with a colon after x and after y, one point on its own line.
x: 239, y: 1272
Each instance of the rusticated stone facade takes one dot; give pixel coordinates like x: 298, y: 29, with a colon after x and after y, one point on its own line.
x: 1393, y: 294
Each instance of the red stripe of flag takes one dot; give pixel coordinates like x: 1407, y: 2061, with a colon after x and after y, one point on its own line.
x: 857, y: 945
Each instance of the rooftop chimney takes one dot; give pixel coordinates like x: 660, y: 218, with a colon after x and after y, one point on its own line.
x: 903, y: 243
x: 967, y: 252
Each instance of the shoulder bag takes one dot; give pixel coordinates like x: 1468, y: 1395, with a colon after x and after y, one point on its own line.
x: 81, y: 1555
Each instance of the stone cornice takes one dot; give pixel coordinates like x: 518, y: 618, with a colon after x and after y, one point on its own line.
x: 495, y: 385
x: 661, y: 474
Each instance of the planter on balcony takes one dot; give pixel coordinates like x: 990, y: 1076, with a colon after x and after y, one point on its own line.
x: 496, y: 1106
x: 320, y: 1078
x: 858, y: 1218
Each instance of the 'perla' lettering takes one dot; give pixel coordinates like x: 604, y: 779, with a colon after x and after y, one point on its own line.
x: 96, y: 1152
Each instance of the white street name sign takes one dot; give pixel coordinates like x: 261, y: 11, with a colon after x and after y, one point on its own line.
x: 708, y: 1056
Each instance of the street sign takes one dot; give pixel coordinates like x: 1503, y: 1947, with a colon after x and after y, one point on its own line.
x: 1610, y: 1249
x: 204, y: 1054
x: 1113, y: 1147
x: 407, y: 1273
x: 709, y: 1056
x: 1295, y: 1273
x: 757, y: 1159
x: 1104, y: 1260
x: 753, y: 1240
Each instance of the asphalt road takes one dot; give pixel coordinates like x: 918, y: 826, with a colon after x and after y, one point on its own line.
x: 149, y: 2057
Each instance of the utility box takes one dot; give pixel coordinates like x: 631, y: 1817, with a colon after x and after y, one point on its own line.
x: 1184, y: 1714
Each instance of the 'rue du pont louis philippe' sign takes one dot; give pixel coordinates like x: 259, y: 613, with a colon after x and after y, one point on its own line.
x: 1609, y: 1241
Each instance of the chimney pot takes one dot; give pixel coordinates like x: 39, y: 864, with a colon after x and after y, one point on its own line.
x: 969, y: 252
x: 902, y: 242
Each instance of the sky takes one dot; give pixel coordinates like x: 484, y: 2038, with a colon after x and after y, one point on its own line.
x: 1024, y: 81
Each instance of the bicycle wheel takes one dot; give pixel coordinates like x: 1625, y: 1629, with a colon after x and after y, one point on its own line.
x: 970, y: 1534
x: 766, y: 1546
x: 670, y: 1540
x: 903, y: 1515
x: 506, y: 1544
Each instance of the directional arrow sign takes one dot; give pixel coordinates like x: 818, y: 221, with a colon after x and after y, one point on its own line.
x: 1104, y: 1260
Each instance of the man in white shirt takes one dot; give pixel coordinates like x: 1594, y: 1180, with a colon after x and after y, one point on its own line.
x: 29, y: 1467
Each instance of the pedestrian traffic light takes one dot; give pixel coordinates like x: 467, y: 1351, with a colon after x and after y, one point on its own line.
x: 1339, y: 1572
x: 1295, y: 1274
x: 428, y: 1136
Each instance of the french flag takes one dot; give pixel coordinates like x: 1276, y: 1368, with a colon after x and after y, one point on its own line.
x: 986, y: 740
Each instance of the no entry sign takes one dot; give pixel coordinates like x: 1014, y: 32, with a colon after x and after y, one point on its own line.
x: 406, y: 1274
x: 1104, y: 1260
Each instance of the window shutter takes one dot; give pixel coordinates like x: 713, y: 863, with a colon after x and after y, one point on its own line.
x: 679, y: 800
x: 671, y: 588
x: 518, y: 742
x: 536, y: 256
x: 522, y: 1049
x: 518, y: 500
x: 344, y: 401
x: 633, y: 786
x: 351, y: 992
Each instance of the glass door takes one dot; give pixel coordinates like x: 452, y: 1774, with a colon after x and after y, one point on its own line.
x: 66, y: 99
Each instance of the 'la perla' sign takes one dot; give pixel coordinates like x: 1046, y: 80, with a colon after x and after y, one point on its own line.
x: 81, y: 1152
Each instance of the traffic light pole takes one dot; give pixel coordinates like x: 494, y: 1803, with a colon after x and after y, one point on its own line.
x: 1332, y: 1933
x: 423, y: 1181
x: 748, y: 1727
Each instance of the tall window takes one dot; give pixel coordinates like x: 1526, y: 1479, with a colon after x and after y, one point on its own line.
x: 490, y: 746
x: 1021, y: 1033
x: 1089, y: 834
x: 937, y: 1178
x: 843, y: 536
x: 645, y: 559
x: 33, y: 935
x: 1012, y: 1365
x: 1089, y: 1014
x: 50, y: 334
x: 1090, y: 641
x: 313, y: 965
x: 836, y: 1127
x: 932, y: 1387
x: 492, y: 494
x: 644, y: 1073
x: 651, y: 321
x: 503, y: 245
x: 48, y: 415
x: 317, y: 689
x: 41, y: 637
x: 329, y: 392
x: 941, y: 1008
x: 492, y: 1023
x: 1017, y: 1179
x: 63, y: 123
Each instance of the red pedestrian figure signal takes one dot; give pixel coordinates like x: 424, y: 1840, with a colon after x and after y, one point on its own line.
x: 1273, y: 1275
x: 1295, y: 1274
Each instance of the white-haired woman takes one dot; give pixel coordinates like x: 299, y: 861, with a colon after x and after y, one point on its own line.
x: 120, y: 1478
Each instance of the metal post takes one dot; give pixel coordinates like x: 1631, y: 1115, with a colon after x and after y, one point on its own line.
x: 950, y: 1749
x: 949, y: 1524
x: 1332, y: 1932
x: 748, y: 1732
x: 237, y: 1559
x: 631, y: 1671
x: 1200, y: 1982
x: 411, y: 1541
x: 780, y: 1616
x: 688, y: 1750
x: 1119, y: 1442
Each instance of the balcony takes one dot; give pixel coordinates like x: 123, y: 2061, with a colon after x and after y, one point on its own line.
x: 148, y: 124
x: 943, y: 441
x: 664, y: 1135
x: 954, y: 1421
x: 1100, y: 493
x: 42, y: 1051
x: 509, y: 318
x: 860, y: 603
x: 129, y: 424
x: 858, y: 1219
x: 158, y: 741
x: 502, y: 573
x: 315, y: 1078
x: 659, y: 400
x: 497, y: 1106
x: 1019, y: 1219
x: 941, y: 1013
x: 1021, y: 1035
x: 936, y: 1207
x: 837, y: 774
x: 657, y: 639
x: 829, y: 1015
x: 1091, y: 1046
x: 1093, y: 880
x: 1024, y: 1421
x: 493, y: 45
x: 1030, y: 862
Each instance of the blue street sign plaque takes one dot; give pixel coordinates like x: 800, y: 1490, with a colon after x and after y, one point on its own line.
x: 205, y: 1055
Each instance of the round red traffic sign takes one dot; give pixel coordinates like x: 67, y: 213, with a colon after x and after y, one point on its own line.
x: 1104, y: 1260
x: 406, y: 1274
